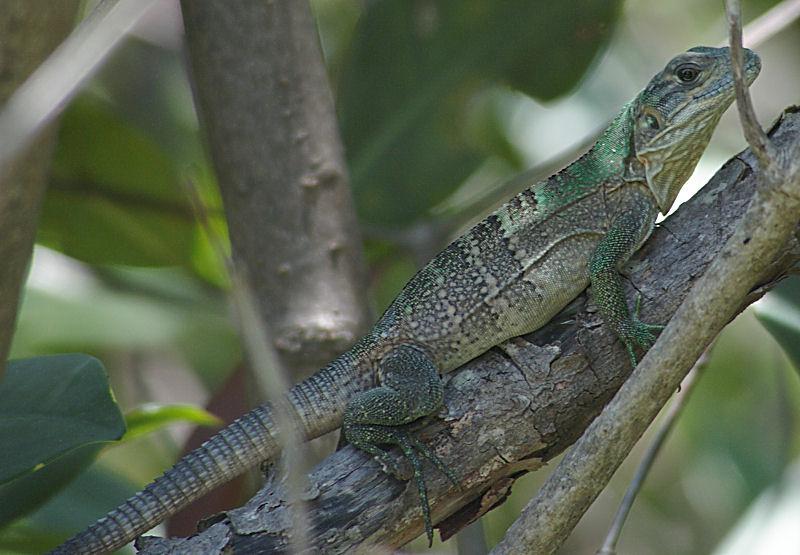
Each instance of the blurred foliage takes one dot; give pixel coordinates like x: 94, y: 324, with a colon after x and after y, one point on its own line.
x: 113, y: 197
x: 438, y: 100
x: 406, y: 88
x: 780, y: 314
x: 93, y: 492
x: 126, y: 149
x: 55, y: 413
x: 132, y: 309
x: 149, y: 417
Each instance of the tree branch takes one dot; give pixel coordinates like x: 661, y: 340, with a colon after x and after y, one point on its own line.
x: 755, y: 136
x: 264, y: 100
x: 510, y: 410
x: 30, y: 31
x: 771, y: 22
x: 262, y: 94
x: 659, y: 438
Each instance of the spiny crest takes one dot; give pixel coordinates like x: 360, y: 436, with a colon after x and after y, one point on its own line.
x: 604, y: 161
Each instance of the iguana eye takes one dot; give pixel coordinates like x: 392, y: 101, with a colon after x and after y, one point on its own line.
x: 652, y: 121
x: 687, y: 73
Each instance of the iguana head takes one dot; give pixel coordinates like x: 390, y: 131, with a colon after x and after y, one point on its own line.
x: 676, y: 113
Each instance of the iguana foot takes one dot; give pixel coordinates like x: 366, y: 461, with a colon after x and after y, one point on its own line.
x: 410, y: 389
x: 634, y: 332
x: 367, y: 437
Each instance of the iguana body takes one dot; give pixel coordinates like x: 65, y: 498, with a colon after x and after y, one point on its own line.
x: 508, y: 275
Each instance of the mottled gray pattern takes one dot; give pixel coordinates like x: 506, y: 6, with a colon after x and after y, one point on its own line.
x: 495, y: 283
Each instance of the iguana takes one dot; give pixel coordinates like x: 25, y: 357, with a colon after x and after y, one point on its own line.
x: 506, y: 276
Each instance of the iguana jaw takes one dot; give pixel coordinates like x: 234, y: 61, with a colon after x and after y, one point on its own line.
x: 674, y: 119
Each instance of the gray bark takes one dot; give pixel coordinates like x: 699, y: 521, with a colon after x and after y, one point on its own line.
x: 512, y: 409
x: 263, y: 97
x: 30, y: 31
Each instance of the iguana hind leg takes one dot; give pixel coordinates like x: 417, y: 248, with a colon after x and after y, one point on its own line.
x: 410, y: 389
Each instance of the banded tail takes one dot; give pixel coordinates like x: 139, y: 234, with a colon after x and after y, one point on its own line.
x: 319, y: 404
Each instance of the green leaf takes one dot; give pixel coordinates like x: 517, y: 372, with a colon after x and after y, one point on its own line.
x: 406, y: 89
x: 88, y: 497
x: 22, y: 495
x: 779, y: 312
x: 114, y: 197
x: 50, y: 405
x: 152, y: 416
x: 55, y: 414
x: 125, y: 147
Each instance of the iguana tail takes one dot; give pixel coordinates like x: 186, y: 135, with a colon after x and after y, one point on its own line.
x: 318, y: 403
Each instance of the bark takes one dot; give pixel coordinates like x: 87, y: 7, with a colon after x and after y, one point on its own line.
x: 264, y: 100
x: 30, y: 31
x: 512, y: 409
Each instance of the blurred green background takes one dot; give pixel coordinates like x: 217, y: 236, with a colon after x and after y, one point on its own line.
x: 439, y: 103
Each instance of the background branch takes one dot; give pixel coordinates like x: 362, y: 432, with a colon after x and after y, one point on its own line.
x: 771, y: 22
x: 30, y: 31
x: 510, y: 410
x: 263, y: 97
x: 681, y: 398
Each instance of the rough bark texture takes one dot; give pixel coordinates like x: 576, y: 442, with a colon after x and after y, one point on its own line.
x: 30, y: 31
x: 264, y: 100
x: 510, y: 410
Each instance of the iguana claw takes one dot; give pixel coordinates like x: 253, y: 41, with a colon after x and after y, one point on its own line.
x: 635, y: 332
x: 412, y: 448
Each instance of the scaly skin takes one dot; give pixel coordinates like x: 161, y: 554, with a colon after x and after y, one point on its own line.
x: 506, y: 276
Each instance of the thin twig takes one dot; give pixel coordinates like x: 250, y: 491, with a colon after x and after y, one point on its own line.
x: 268, y: 371
x: 753, y: 132
x: 45, y: 93
x: 771, y: 22
x: 679, y: 402
x: 768, y: 24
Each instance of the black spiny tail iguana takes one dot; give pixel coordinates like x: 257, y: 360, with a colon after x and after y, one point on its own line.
x: 506, y: 276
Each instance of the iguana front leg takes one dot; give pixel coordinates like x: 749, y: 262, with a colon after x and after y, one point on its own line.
x: 410, y: 389
x: 622, y: 239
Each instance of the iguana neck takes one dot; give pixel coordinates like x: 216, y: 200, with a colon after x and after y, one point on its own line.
x: 607, y: 161
x: 608, y: 158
